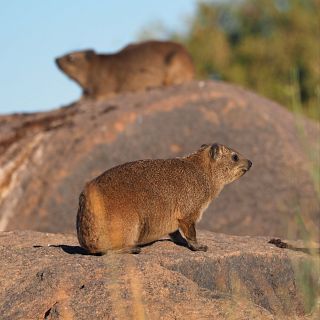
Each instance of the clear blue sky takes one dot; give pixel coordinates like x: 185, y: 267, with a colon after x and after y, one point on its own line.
x: 34, y: 32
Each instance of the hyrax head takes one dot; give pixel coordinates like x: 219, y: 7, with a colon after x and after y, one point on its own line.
x: 76, y: 64
x: 225, y: 163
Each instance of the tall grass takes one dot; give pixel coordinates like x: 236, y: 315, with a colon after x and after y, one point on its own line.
x: 308, y: 272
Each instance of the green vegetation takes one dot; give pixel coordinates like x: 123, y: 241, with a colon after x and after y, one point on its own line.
x: 258, y: 44
x: 307, y: 273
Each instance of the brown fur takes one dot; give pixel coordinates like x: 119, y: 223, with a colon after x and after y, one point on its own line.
x: 136, y: 67
x: 139, y: 202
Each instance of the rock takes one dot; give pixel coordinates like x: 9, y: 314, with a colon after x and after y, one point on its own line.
x: 45, y: 158
x: 47, y: 276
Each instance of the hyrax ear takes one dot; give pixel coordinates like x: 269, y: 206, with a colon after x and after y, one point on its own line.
x: 215, y: 151
x: 203, y: 146
x: 89, y: 54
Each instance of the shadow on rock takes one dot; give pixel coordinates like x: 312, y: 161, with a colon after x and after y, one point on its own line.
x: 69, y: 249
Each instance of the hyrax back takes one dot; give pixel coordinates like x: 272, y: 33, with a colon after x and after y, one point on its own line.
x: 141, y: 201
x: 136, y: 67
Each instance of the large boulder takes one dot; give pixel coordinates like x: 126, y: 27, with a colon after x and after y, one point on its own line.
x: 47, y: 276
x: 45, y: 158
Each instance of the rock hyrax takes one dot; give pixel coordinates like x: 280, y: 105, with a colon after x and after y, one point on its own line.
x: 136, y: 67
x: 141, y: 201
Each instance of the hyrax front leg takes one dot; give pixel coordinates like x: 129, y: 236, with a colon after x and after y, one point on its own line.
x: 189, y: 231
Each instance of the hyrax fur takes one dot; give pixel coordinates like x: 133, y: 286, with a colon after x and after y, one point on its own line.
x: 141, y: 201
x: 136, y: 67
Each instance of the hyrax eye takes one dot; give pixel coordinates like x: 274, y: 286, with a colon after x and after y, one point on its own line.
x: 235, y: 158
x: 70, y: 58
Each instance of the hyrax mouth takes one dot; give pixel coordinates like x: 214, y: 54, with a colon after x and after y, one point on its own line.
x: 244, y: 170
x: 247, y: 168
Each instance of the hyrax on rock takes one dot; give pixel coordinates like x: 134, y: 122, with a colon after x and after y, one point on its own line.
x: 138, y: 202
x: 136, y: 67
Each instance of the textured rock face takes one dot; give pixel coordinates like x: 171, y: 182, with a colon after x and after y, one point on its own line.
x: 46, y: 158
x: 238, y: 278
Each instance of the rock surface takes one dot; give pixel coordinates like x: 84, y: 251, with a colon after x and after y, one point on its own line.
x: 237, y: 278
x: 45, y: 158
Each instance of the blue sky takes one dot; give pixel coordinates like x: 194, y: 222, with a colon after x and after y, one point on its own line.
x: 34, y: 32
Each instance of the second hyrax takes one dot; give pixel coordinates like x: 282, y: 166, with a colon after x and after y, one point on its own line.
x: 141, y: 201
x: 136, y: 67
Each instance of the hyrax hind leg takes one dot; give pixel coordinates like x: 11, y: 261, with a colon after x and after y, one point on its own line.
x: 189, y: 231
x: 133, y: 250
x: 129, y: 241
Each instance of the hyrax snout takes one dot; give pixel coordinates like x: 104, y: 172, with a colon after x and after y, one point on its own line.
x: 141, y: 201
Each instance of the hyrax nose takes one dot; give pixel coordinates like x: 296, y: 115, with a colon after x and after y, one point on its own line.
x: 249, y: 164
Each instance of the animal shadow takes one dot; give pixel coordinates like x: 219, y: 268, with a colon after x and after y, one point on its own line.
x: 69, y: 249
x: 175, y: 237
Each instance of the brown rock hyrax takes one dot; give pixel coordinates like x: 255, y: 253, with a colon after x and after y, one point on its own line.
x: 136, y: 67
x: 141, y: 201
